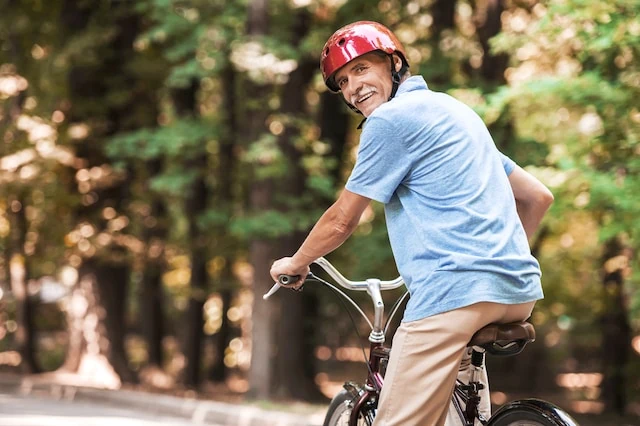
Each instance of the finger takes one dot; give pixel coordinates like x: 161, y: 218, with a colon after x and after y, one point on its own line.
x: 299, y: 284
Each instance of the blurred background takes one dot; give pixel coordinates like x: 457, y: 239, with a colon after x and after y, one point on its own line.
x: 157, y: 155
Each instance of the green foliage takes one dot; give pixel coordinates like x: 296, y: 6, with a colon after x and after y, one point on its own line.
x: 182, y: 75
x: 266, y: 224
x: 592, y: 98
x: 321, y: 185
x: 213, y: 219
x: 175, y: 183
x: 574, y: 85
x: 184, y: 138
x: 265, y: 156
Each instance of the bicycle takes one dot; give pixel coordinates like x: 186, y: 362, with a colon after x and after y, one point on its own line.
x: 356, y: 404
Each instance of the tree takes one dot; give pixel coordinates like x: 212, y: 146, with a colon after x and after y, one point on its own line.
x: 105, y: 269
x: 261, y: 250
x: 577, y: 64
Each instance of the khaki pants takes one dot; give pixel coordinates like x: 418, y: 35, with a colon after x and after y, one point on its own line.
x: 425, y: 361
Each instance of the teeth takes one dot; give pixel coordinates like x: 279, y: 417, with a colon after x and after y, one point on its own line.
x: 365, y: 97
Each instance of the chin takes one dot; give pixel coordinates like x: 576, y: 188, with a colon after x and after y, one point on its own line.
x: 370, y: 111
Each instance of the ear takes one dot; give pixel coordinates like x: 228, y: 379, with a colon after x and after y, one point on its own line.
x: 397, y: 62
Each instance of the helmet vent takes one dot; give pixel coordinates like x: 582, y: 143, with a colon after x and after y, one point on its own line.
x: 342, y: 42
x: 326, y: 51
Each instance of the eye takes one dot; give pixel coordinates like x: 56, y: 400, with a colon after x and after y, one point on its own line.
x: 342, y: 82
x: 360, y: 69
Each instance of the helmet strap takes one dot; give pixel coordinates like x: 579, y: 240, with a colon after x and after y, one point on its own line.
x: 396, y: 76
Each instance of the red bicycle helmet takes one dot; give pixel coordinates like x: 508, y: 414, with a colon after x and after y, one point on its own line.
x: 355, y: 40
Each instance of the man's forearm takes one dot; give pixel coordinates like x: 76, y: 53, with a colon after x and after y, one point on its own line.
x: 531, y: 215
x: 533, y: 199
x: 331, y: 230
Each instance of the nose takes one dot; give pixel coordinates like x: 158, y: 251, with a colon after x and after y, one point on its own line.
x: 353, y: 87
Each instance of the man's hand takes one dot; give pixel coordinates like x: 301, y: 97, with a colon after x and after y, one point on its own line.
x: 285, y: 266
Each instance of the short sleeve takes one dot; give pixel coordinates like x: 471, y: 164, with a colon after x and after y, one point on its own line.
x: 507, y: 163
x: 382, y: 162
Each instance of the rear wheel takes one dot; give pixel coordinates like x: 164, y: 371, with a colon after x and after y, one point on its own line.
x: 531, y: 412
x: 339, y: 411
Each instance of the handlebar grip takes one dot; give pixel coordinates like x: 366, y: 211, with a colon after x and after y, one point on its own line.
x: 288, y: 279
x: 283, y: 280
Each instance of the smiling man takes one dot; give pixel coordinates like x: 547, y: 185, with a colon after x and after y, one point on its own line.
x: 458, y: 215
x: 365, y: 82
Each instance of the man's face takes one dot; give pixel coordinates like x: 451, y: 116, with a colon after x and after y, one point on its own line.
x: 365, y: 82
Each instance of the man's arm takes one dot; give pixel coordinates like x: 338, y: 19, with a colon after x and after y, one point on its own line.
x: 533, y: 199
x: 332, y: 229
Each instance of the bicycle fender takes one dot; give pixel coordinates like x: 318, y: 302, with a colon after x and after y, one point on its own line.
x: 550, y: 411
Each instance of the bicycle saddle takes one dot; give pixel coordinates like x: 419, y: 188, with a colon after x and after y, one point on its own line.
x: 504, y: 339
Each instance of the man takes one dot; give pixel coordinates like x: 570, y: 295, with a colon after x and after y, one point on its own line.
x: 458, y: 215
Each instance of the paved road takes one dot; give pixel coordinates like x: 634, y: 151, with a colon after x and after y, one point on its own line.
x: 32, y: 410
x: 40, y: 401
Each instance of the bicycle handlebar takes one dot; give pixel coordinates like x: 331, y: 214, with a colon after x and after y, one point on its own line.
x: 372, y: 286
x: 338, y: 278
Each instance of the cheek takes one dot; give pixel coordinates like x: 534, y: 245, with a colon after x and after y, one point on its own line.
x: 386, y: 88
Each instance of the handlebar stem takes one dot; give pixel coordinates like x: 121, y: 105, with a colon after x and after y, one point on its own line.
x: 377, y: 332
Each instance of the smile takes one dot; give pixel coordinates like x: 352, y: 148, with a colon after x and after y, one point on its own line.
x: 365, y: 97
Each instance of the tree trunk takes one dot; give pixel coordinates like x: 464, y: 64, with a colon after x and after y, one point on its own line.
x: 280, y: 358
x: 224, y: 201
x: 487, y: 18
x: 19, y: 279
x: 488, y: 23
x: 260, y: 250
x: 98, y: 305
x: 151, y: 298
x: 224, y: 335
x: 151, y: 302
x: 90, y: 352
x: 185, y: 102
x: 112, y: 279
x: 16, y: 262
x: 263, y: 345
x: 196, y: 205
x: 294, y: 363
x: 616, y: 331
x: 334, y: 121
x: 443, y: 12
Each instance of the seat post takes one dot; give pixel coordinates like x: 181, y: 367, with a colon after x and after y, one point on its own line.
x: 477, y: 356
x: 477, y: 361
x: 474, y: 387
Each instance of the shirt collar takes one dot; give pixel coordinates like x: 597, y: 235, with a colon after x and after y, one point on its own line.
x: 415, y: 82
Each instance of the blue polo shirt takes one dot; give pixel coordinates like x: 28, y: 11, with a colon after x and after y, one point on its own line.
x: 450, y: 211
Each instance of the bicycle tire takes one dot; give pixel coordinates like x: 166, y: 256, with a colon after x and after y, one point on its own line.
x: 531, y: 412
x: 339, y: 411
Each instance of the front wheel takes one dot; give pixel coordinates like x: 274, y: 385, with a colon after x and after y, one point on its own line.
x: 339, y: 411
x: 531, y: 412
